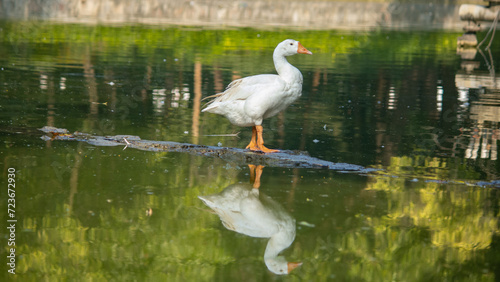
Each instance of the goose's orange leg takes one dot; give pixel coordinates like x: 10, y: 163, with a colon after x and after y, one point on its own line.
x: 253, y: 142
x: 258, y: 174
x: 252, y: 173
x: 255, y: 174
x: 260, y: 141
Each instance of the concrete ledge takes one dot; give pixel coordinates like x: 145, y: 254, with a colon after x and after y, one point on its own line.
x: 294, y: 14
x: 478, y: 13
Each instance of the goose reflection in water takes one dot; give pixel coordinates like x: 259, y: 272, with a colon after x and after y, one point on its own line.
x: 243, y: 209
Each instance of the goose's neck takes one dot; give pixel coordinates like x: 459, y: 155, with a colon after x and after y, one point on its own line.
x: 286, y: 70
x: 278, y: 242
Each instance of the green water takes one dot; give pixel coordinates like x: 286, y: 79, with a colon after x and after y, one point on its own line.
x: 398, y: 101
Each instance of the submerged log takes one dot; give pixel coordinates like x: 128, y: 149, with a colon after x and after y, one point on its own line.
x: 285, y: 158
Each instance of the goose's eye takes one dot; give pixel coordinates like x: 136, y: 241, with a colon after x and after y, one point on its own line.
x: 291, y: 44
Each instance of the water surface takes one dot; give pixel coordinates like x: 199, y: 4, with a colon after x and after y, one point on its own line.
x: 403, y: 102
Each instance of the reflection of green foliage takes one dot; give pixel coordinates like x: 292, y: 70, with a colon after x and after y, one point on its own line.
x: 435, y: 168
x: 451, y: 218
x: 455, y: 220
x: 210, y: 46
x: 426, y: 231
x: 111, y: 236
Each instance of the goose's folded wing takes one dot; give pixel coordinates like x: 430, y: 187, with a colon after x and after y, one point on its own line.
x: 243, y: 88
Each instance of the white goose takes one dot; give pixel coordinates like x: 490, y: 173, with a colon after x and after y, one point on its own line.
x: 242, y: 209
x: 249, y: 100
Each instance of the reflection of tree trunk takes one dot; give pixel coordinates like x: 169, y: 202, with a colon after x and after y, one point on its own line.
x: 380, y: 124
x: 89, y: 74
x: 430, y: 102
x: 281, y: 130
x: 169, y: 85
x: 90, y: 81
x: 218, y: 83
x: 450, y: 98
x: 73, y: 180
x: 193, y: 167
x: 108, y: 76
x: 196, y: 102
x: 306, y: 129
x: 235, y: 76
x: 147, y: 85
x: 50, y: 106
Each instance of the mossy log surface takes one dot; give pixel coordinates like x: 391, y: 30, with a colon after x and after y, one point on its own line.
x: 286, y: 159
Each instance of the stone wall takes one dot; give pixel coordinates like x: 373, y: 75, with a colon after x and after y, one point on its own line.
x: 258, y: 13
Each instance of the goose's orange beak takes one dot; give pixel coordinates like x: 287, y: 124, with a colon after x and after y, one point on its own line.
x: 293, y: 265
x: 303, y: 50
